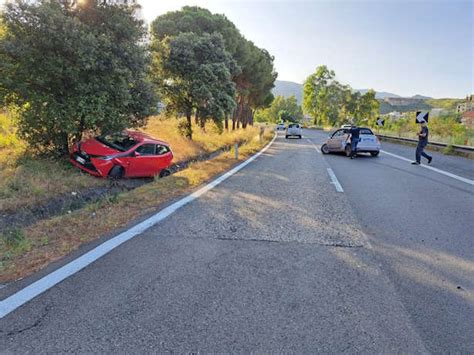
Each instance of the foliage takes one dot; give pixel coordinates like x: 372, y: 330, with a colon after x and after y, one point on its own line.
x: 447, y: 104
x: 194, y: 74
x: 12, y: 243
x: 332, y: 103
x: 252, y: 68
x: 3, y: 91
x: 445, y: 128
x: 449, y: 150
x: 421, y: 105
x: 8, y: 138
x: 73, y: 69
x: 281, y: 109
x: 315, y: 94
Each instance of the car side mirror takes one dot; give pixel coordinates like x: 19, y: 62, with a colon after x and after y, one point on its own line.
x: 136, y: 154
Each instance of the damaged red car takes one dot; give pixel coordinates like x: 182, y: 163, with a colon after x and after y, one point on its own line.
x: 125, y: 154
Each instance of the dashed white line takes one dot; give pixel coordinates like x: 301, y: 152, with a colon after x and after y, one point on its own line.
x: 314, y: 145
x: 439, y: 171
x: 334, y: 180
x: 38, y: 287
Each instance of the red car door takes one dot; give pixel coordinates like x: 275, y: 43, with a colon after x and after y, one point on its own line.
x: 163, y: 158
x: 143, y: 163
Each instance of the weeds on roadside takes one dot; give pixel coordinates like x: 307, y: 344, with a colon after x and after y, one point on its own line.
x: 13, y: 242
x: 449, y: 150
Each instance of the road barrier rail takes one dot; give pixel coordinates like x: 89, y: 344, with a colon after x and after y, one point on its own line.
x: 464, y: 150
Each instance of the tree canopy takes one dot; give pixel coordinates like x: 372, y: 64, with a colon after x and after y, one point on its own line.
x: 252, y: 71
x: 281, y: 109
x: 194, y: 75
x: 70, y: 69
x: 329, y: 102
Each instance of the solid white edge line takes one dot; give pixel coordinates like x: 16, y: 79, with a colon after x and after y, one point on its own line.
x: 439, y: 171
x: 335, y: 182
x: 38, y: 287
x: 314, y: 145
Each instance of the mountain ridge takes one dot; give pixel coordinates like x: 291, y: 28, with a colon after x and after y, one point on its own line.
x: 287, y: 88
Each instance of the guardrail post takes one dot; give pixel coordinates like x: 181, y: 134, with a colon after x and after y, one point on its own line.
x: 262, y: 131
x: 236, y: 151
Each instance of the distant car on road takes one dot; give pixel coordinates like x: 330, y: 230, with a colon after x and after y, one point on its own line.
x: 293, y: 130
x: 346, y: 126
x: 340, y: 142
x: 281, y: 127
x: 125, y: 154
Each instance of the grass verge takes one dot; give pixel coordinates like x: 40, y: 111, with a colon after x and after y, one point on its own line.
x: 49, y: 240
x: 27, y: 180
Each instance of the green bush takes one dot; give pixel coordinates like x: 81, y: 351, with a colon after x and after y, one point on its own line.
x: 449, y: 150
x: 13, y: 241
x: 69, y: 70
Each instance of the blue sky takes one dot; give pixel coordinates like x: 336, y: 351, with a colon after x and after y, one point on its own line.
x: 404, y: 47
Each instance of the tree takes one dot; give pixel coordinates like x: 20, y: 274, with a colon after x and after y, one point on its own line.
x: 281, y: 109
x: 193, y: 73
x: 253, y: 73
x: 332, y: 103
x: 317, y: 94
x: 369, y: 108
x: 71, y: 69
x: 254, y: 84
x: 3, y: 91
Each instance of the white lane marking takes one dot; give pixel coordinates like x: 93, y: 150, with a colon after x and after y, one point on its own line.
x: 38, y: 287
x: 314, y: 145
x: 335, y: 182
x: 439, y: 171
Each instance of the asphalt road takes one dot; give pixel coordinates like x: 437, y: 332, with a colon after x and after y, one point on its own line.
x: 275, y: 259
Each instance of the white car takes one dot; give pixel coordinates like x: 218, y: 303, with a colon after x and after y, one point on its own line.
x: 281, y: 127
x: 340, y: 142
x: 293, y: 130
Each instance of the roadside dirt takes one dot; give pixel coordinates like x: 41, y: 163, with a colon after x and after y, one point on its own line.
x: 10, y: 220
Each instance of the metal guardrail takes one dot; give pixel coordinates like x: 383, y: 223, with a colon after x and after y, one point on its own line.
x: 464, y: 148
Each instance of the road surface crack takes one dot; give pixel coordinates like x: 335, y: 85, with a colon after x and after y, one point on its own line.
x: 330, y: 244
x: 37, y: 323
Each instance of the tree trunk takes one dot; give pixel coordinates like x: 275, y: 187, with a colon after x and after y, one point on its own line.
x: 196, y: 117
x: 226, y: 122
x: 234, y: 117
x: 189, y: 131
x: 65, y: 144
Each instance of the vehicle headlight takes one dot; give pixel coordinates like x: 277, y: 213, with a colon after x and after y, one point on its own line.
x: 107, y: 158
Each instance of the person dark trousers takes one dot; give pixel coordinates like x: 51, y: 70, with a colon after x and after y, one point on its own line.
x: 422, y: 142
x: 354, y: 131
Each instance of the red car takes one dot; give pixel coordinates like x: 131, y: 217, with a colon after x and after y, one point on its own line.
x: 126, y: 154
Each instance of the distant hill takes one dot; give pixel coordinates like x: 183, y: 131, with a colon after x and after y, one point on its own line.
x: 386, y: 107
x: 421, y: 97
x: 287, y: 89
x: 378, y: 94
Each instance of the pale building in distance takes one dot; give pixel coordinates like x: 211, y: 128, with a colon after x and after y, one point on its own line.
x: 468, y: 105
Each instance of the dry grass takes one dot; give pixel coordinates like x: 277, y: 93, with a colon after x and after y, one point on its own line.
x: 26, y: 181
x: 51, y: 239
x: 203, y: 141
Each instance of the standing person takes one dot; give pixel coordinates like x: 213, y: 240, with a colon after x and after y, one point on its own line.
x: 354, y: 132
x: 422, y: 142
